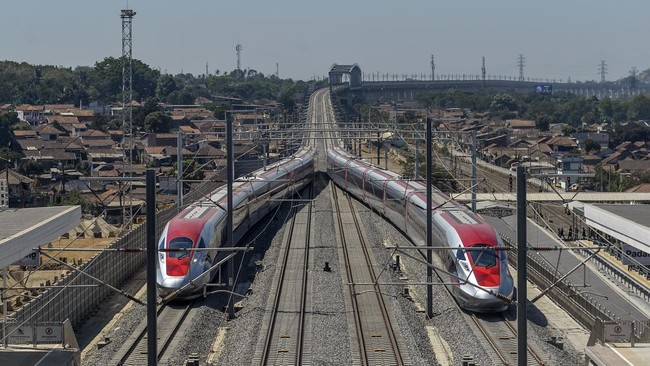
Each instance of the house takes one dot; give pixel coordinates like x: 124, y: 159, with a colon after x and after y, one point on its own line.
x: 568, y: 170
x: 634, y: 166
x: 116, y: 135
x: 521, y: 124
x: 62, y: 119
x: 50, y: 133
x: 562, y: 144
x: 7, y: 108
x: 160, y: 139
x: 25, y: 134
x: 94, y: 135
x: 189, y: 132
x: 19, y: 187
x: 601, y: 139
x: 641, y: 188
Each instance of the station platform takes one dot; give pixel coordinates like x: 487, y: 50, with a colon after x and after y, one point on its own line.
x: 617, y: 354
x: 22, y: 229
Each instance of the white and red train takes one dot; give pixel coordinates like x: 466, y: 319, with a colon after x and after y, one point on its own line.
x: 483, y: 282
x: 203, y: 223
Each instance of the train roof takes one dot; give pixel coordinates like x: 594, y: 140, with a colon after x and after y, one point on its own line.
x: 471, y: 228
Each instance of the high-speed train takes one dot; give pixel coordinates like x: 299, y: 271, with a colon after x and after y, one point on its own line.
x: 482, y: 280
x: 203, y: 223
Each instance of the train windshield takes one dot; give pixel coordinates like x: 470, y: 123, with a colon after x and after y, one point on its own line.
x: 483, y: 257
x: 179, y: 243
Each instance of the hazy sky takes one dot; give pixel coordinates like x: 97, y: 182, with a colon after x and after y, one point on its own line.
x: 559, y: 38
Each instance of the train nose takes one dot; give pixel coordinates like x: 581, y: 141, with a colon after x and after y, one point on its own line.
x: 478, y: 300
x: 170, y: 284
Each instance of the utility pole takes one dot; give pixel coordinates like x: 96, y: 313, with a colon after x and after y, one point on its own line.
x: 429, y: 216
x: 522, y: 330
x: 152, y: 256
x: 521, y: 62
x: 433, y: 68
x: 603, y: 71
x: 127, y: 112
x: 483, y: 71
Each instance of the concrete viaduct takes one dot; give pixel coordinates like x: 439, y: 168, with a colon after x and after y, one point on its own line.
x: 355, y: 88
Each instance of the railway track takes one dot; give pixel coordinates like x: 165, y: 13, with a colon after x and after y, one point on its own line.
x: 502, y: 337
x: 169, y: 320
x: 377, y: 340
x: 284, y: 341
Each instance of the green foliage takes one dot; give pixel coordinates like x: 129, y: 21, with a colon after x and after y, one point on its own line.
x: 99, y: 122
x: 7, y: 137
x: 22, y: 126
x: 442, y: 179
x: 191, y: 170
x: 591, y: 145
x: 30, y: 167
x: 39, y: 84
x: 74, y: 198
x: 158, y: 122
x: 568, y: 130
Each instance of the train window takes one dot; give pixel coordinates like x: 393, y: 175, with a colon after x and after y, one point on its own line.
x: 178, y: 243
x: 483, y: 258
x: 460, y: 255
x: 201, y: 243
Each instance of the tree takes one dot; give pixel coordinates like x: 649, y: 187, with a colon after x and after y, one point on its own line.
x: 502, y: 102
x: 591, y: 145
x: 543, y: 123
x: 568, y: 130
x: 165, y: 86
x: 158, y: 122
x: 191, y: 170
x: 7, y: 121
x: 99, y: 122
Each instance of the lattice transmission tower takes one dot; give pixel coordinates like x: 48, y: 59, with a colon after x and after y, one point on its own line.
x: 433, y: 68
x: 603, y: 71
x: 127, y: 111
x: 521, y: 62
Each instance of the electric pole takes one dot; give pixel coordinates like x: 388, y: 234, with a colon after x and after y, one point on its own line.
x: 521, y: 62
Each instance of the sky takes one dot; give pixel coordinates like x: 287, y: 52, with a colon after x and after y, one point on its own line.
x: 558, y: 38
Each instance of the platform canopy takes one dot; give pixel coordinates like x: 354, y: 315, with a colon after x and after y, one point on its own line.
x: 625, y: 197
x: 22, y: 229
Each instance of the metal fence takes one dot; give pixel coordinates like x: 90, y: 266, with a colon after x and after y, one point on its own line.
x: 580, y: 306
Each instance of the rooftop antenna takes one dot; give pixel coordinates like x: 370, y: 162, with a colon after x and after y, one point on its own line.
x: 521, y: 62
x: 603, y: 71
x: 238, y: 48
x: 127, y: 96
